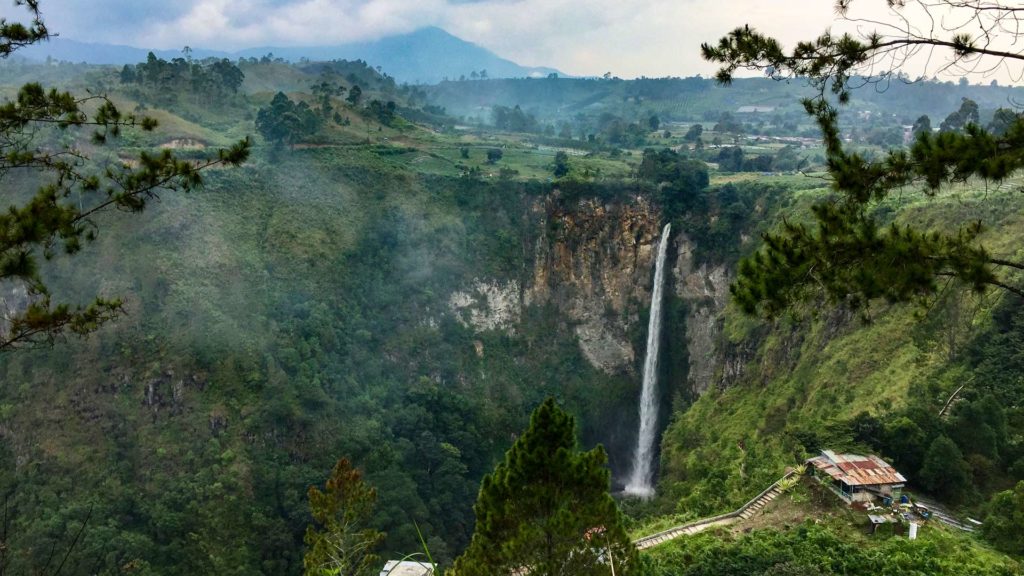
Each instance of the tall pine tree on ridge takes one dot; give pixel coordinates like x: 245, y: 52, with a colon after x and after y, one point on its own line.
x: 546, y: 509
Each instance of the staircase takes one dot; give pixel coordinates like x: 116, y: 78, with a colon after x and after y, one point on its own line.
x: 742, y: 513
x: 762, y: 501
x: 685, y: 530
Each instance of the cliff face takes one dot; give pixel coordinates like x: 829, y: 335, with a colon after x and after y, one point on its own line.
x: 705, y: 290
x: 593, y: 262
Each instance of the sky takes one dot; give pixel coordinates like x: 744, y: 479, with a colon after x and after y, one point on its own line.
x: 629, y: 38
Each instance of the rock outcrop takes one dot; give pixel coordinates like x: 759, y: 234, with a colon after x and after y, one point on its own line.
x: 487, y: 305
x: 705, y: 289
x: 594, y: 263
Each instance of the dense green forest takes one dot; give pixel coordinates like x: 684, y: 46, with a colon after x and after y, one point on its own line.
x: 399, y: 275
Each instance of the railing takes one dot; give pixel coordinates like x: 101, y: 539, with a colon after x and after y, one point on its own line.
x: 639, y: 542
x: 681, y: 527
x: 774, y: 485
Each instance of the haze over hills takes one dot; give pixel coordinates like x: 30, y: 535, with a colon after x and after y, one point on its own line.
x: 427, y: 55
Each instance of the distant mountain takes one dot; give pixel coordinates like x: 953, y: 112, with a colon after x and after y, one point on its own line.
x: 74, y: 51
x: 427, y: 55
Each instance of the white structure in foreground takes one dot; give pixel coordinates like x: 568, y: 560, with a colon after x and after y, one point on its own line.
x: 407, y: 568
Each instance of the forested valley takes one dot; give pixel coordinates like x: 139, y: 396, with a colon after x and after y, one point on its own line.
x: 321, y: 318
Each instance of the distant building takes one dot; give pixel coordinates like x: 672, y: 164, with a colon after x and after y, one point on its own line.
x: 407, y: 568
x: 908, y: 134
x: 755, y: 109
x: 857, y: 478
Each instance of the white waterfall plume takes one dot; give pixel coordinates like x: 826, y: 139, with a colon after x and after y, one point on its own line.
x: 641, y: 482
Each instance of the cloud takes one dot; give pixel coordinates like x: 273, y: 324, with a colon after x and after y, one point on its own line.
x: 109, y: 20
x: 626, y: 37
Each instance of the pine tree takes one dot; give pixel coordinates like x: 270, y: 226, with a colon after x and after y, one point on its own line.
x: 546, y: 509
x: 847, y: 255
x: 341, y: 543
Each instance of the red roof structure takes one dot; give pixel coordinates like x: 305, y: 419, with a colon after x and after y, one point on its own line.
x: 857, y: 470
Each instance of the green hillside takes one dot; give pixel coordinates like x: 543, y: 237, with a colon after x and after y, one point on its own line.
x: 402, y: 285
x: 806, y: 531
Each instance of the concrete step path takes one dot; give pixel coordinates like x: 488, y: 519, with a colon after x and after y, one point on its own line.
x: 742, y: 513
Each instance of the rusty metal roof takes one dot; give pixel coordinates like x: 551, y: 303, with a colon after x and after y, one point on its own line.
x: 856, y: 470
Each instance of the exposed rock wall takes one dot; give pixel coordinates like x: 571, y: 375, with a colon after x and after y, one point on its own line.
x: 487, y: 305
x: 594, y: 262
x: 705, y: 289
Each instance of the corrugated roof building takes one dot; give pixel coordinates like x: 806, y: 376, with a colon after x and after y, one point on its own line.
x: 857, y: 478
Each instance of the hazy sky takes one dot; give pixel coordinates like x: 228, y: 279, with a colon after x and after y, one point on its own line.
x: 585, y: 37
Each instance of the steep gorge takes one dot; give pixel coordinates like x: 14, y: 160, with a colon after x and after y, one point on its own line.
x: 594, y: 263
x: 410, y: 324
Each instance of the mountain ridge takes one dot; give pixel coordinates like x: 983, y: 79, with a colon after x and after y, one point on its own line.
x: 427, y: 55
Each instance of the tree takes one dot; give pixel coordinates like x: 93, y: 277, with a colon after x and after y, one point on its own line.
x: 61, y: 216
x: 694, y: 132
x: 341, y: 543
x: 494, y: 155
x: 285, y: 121
x: 513, y: 119
x: 1004, y: 524
x: 730, y: 159
x: 846, y: 255
x: 128, y: 74
x: 654, y: 122
x: 726, y: 123
x: 561, y: 167
x: 216, y: 81
x: 1002, y: 120
x: 980, y: 427
x: 14, y: 35
x: 355, y: 95
x: 944, y: 471
x: 324, y: 90
x: 923, y: 125
x: 959, y: 120
x: 382, y: 112
x: 546, y: 508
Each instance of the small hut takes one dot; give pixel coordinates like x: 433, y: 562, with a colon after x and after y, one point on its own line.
x: 856, y: 478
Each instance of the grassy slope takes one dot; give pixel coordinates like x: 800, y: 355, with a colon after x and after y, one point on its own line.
x: 806, y: 530
x: 800, y: 375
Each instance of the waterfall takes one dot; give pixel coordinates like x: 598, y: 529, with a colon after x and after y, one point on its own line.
x: 641, y: 482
